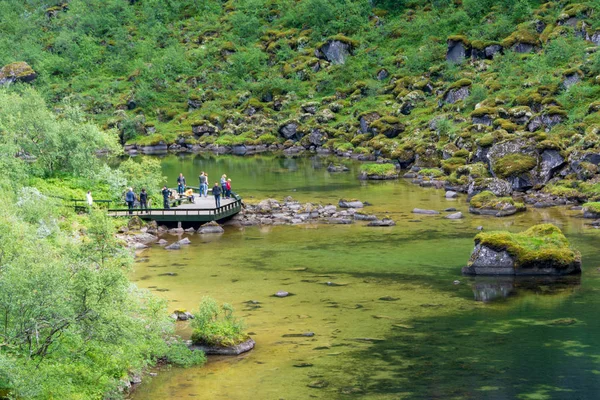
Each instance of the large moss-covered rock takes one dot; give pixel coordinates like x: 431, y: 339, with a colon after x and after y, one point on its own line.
x: 540, y: 250
x: 17, y: 72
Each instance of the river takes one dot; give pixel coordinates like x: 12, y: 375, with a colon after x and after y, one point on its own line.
x: 395, y: 325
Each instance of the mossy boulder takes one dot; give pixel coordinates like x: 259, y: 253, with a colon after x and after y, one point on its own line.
x: 17, y: 72
x: 458, y: 91
x: 540, y: 250
x: 513, y: 164
x: 487, y: 203
x: 591, y: 210
x: 388, y: 126
x: 378, y: 172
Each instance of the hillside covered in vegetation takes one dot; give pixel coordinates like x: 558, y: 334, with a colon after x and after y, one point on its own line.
x: 437, y: 84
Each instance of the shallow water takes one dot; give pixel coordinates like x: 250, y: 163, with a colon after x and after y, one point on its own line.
x: 393, y: 325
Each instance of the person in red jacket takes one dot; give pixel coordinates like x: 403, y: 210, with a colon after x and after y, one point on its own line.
x: 228, y: 188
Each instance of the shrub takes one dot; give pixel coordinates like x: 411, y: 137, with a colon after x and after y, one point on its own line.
x: 216, y: 326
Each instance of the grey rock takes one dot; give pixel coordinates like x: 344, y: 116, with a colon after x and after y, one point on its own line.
x: 173, y: 246
x: 184, y: 241
x: 458, y: 94
x: 211, y: 227
x: 422, y: 211
x: 383, y: 222
x: 457, y: 51
x: 350, y: 204
x: 457, y: 215
x: 451, y: 194
x: 335, y: 51
x: 281, y: 293
x: 364, y: 217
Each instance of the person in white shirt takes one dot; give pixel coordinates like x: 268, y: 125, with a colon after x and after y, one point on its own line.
x: 90, y: 200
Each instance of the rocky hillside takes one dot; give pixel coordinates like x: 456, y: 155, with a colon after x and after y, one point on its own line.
x: 498, y: 95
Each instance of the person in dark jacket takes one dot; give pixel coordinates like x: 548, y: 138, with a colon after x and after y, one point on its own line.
x: 180, y: 184
x: 144, y: 200
x: 216, y: 190
x: 166, y: 194
x: 130, y: 200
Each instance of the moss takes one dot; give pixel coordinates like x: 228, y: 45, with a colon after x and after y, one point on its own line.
x: 344, y: 39
x: 475, y: 171
x: 505, y: 124
x: 593, y: 207
x: 487, y: 199
x: 554, y: 110
x: 460, y: 83
x: 460, y: 38
x: 492, y: 137
x: 522, y: 35
x: 482, y: 44
x: 540, y: 244
x: 379, y: 169
x: 563, y: 190
x: 431, y: 172
x: 481, y: 111
x: 452, y: 164
x: 514, y: 164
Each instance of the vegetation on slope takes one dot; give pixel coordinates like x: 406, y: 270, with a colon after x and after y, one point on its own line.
x: 216, y: 73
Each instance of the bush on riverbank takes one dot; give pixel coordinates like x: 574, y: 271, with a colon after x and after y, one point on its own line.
x: 216, y: 326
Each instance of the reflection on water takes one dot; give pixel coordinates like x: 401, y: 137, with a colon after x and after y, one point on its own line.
x: 489, y: 288
x: 394, y: 326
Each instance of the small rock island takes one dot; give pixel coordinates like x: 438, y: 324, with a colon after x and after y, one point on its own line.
x: 540, y: 250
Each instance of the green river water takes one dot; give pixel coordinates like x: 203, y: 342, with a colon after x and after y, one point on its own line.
x: 396, y: 327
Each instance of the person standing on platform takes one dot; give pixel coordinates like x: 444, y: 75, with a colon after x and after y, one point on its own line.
x: 216, y: 190
x: 166, y: 194
x: 130, y: 200
x: 144, y: 200
x: 180, y: 184
x: 228, y: 189
x: 203, y: 188
x: 223, y: 184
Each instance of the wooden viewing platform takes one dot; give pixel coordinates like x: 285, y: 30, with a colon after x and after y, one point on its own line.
x: 202, y: 210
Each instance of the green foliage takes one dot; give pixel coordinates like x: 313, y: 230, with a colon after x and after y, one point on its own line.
x: 216, y: 326
x: 143, y: 173
x: 58, y: 145
x: 540, y: 244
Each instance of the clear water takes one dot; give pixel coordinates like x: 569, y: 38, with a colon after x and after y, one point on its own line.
x: 396, y: 327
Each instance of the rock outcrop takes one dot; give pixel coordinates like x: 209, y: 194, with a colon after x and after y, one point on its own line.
x: 17, y: 72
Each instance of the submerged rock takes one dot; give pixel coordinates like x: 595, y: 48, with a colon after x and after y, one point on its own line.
x: 383, y: 222
x: 225, y: 351
x: 422, y: 211
x: 540, y: 250
x: 211, y: 227
x: 350, y: 204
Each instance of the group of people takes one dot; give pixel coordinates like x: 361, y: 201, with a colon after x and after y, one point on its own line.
x: 220, y: 189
